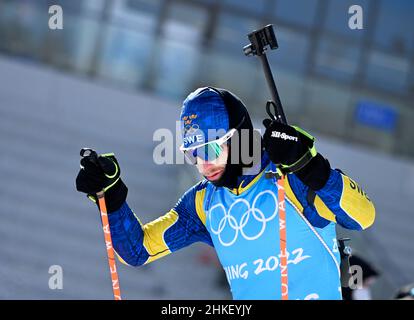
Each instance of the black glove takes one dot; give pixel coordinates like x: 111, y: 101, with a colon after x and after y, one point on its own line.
x: 102, y: 174
x: 292, y: 149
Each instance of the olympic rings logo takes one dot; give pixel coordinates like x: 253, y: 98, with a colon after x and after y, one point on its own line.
x: 191, y: 128
x: 228, y: 221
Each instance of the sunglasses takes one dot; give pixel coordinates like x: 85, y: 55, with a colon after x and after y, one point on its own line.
x: 208, y: 151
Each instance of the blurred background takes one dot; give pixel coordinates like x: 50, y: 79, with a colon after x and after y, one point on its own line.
x: 120, y: 69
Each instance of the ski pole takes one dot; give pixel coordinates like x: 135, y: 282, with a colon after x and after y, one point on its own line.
x: 86, y: 152
x: 259, y: 41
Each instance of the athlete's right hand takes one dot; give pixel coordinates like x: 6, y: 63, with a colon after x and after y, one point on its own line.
x: 102, y: 174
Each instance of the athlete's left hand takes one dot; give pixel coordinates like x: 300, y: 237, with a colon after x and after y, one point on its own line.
x: 293, y: 150
x: 285, y: 144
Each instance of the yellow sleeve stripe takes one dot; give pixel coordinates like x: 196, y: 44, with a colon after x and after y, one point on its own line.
x: 323, y: 210
x: 356, y: 204
x: 199, y: 201
x: 154, y: 231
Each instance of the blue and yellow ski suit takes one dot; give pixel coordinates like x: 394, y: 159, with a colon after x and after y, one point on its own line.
x: 243, y: 226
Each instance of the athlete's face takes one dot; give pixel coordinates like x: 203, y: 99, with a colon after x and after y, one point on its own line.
x: 213, y: 170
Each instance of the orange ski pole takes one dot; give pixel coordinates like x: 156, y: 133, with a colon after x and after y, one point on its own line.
x: 109, y: 247
x: 87, y: 152
x: 282, y: 231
